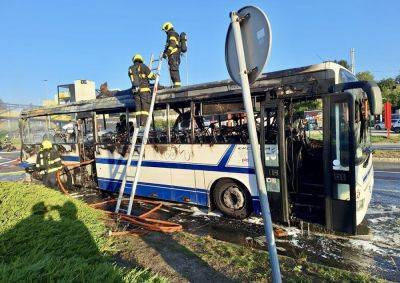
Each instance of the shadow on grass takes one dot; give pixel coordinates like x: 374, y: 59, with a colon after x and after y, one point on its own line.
x: 52, y: 244
x: 185, y: 262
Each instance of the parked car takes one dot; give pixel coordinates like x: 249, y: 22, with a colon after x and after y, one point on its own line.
x: 380, y: 126
x: 396, y: 125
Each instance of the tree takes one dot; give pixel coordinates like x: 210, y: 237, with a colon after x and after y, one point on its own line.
x: 390, y: 91
x: 344, y: 63
x: 388, y: 83
x: 365, y: 76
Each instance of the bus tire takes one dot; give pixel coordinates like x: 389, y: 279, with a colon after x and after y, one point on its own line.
x: 232, y: 199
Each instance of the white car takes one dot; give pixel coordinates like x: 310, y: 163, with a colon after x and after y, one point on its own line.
x: 380, y: 126
x: 396, y: 125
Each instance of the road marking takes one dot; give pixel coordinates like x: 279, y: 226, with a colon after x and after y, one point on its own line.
x: 10, y: 161
x: 12, y: 173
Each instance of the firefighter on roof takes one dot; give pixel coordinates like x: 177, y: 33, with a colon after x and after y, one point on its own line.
x: 175, y: 45
x: 140, y: 76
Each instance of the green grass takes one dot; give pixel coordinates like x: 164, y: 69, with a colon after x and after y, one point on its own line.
x: 46, y: 236
x: 382, y: 139
x: 251, y: 265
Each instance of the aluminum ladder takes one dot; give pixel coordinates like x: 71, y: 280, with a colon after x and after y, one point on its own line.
x: 138, y: 145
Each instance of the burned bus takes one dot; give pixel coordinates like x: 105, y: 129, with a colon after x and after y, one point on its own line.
x: 198, y: 150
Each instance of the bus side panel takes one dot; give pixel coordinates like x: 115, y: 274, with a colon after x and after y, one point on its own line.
x: 155, y: 181
x: 235, y: 165
x: 364, y: 185
x: 179, y: 172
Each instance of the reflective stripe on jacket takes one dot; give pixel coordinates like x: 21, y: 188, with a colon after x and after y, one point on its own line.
x: 144, y: 75
x: 172, y: 44
x: 48, y: 161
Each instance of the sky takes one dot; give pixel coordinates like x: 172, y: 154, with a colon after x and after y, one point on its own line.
x: 47, y: 43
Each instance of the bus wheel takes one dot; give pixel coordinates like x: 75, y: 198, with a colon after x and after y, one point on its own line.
x: 231, y: 199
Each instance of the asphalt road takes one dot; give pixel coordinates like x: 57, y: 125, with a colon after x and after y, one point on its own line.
x: 386, y: 146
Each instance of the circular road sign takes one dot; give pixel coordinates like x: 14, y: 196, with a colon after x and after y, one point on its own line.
x: 257, y: 39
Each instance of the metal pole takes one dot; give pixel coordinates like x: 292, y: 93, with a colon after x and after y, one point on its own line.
x: 251, y: 125
x: 168, y: 125
x: 353, y: 60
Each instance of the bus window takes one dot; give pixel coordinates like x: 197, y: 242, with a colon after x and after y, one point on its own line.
x: 340, y: 136
x: 340, y: 147
x: 159, y: 127
x: 180, y: 120
x: 112, y: 128
x: 362, y: 131
x: 345, y: 76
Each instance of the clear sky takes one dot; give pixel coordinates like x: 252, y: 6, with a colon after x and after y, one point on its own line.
x: 60, y: 41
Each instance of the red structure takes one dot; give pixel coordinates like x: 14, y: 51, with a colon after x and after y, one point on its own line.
x: 388, y: 117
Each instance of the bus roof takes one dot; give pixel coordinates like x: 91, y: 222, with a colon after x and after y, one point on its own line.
x: 313, y: 79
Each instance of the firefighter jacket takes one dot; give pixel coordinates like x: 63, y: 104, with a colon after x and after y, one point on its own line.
x: 140, y: 76
x: 172, y: 44
x: 48, y: 161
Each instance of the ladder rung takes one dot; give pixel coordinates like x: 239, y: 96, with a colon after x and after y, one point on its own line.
x: 154, y: 69
x: 156, y: 60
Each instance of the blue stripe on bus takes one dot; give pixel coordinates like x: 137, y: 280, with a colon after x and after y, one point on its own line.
x: 24, y: 164
x: 367, y: 174
x: 167, y: 192
x: 70, y: 158
x: 159, y: 191
x: 220, y: 167
x: 173, y: 165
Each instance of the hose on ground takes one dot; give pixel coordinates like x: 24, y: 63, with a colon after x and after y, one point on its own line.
x: 143, y: 220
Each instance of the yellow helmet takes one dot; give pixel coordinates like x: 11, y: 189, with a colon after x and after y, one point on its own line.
x: 167, y: 26
x: 137, y: 58
x: 46, y: 144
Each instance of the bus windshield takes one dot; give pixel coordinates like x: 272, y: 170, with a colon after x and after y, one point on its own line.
x: 362, y: 114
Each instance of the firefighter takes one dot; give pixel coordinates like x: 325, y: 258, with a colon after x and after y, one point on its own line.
x: 140, y: 76
x: 172, y: 51
x: 48, y: 161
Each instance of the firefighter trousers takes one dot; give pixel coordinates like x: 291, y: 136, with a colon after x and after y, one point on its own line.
x: 174, y: 61
x: 142, y: 102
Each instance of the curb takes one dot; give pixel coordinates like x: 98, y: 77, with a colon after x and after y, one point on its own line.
x: 386, y: 160
x: 386, y: 164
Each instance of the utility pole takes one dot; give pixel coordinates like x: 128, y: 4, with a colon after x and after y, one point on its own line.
x: 46, y: 90
x: 353, y: 60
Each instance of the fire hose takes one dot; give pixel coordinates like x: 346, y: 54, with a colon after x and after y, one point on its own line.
x: 143, y: 220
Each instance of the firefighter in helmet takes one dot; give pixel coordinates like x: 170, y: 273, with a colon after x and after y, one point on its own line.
x: 172, y: 51
x: 48, y: 161
x: 140, y: 76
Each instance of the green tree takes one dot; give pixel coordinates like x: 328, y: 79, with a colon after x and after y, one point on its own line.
x: 365, y: 76
x: 344, y: 63
x: 390, y: 91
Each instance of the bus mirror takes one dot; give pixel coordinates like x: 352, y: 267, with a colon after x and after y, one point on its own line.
x: 370, y: 88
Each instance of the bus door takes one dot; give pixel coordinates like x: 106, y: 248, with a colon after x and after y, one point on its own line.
x: 339, y: 162
x: 273, y: 153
